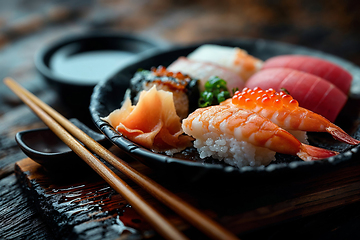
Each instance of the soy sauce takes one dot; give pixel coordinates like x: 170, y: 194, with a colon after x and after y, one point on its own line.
x: 88, y: 67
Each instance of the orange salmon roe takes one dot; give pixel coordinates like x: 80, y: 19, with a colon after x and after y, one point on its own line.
x: 249, y: 99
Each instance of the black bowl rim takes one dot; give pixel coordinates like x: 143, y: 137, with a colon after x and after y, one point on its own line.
x: 19, y: 139
x: 139, y: 152
x: 47, y: 51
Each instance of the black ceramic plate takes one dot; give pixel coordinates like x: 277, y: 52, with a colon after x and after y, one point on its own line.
x: 108, y: 96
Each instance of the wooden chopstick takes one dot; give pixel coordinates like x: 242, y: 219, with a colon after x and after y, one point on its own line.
x: 160, y: 224
x: 188, y: 212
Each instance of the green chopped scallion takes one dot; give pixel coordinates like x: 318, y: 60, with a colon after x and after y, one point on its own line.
x: 215, y: 92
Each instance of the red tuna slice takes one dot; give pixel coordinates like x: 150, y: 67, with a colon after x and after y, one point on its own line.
x: 316, y: 66
x: 312, y: 92
x: 204, y: 70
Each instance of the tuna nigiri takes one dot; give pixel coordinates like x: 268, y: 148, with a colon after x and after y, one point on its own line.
x: 284, y: 111
x: 316, y: 66
x: 242, y: 137
x: 312, y: 92
x: 205, y: 70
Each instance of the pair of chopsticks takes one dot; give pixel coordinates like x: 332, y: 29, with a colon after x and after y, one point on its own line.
x: 57, y: 123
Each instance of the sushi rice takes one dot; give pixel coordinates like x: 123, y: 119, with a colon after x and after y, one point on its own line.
x: 233, y: 152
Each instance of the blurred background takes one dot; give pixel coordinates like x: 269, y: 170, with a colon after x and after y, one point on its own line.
x: 26, y: 26
x: 331, y: 26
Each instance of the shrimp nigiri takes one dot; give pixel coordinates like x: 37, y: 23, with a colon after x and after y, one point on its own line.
x: 285, y: 112
x: 242, y: 137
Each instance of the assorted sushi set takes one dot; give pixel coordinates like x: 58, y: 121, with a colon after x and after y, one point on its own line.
x: 257, y: 108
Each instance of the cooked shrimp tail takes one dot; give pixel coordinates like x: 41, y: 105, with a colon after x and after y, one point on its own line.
x: 283, y: 110
x: 242, y: 137
x: 311, y: 153
x: 340, y: 135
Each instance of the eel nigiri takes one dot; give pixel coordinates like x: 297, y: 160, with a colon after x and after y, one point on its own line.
x: 242, y: 137
x: 183, y: 88
x: 316, y: 66
x: 283, y: 110
x: 312, y: 92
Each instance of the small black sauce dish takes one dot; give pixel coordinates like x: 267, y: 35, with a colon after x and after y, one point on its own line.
x: 75, y: 64
x: 45, y: 148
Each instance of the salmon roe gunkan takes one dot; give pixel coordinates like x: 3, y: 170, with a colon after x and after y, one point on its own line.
x: 250, y: 98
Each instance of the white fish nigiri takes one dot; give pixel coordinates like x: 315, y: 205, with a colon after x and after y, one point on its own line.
x: 204, y: 70
x: 235, y: 59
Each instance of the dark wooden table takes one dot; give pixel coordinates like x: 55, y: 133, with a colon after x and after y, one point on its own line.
x: 27, y: 26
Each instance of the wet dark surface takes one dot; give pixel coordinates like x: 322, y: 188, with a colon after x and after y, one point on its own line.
x: 25, y: 27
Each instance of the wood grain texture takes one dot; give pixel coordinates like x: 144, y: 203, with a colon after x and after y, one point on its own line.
x: 72, y: 204
x: 79, y: 205
x: 16, y: 213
